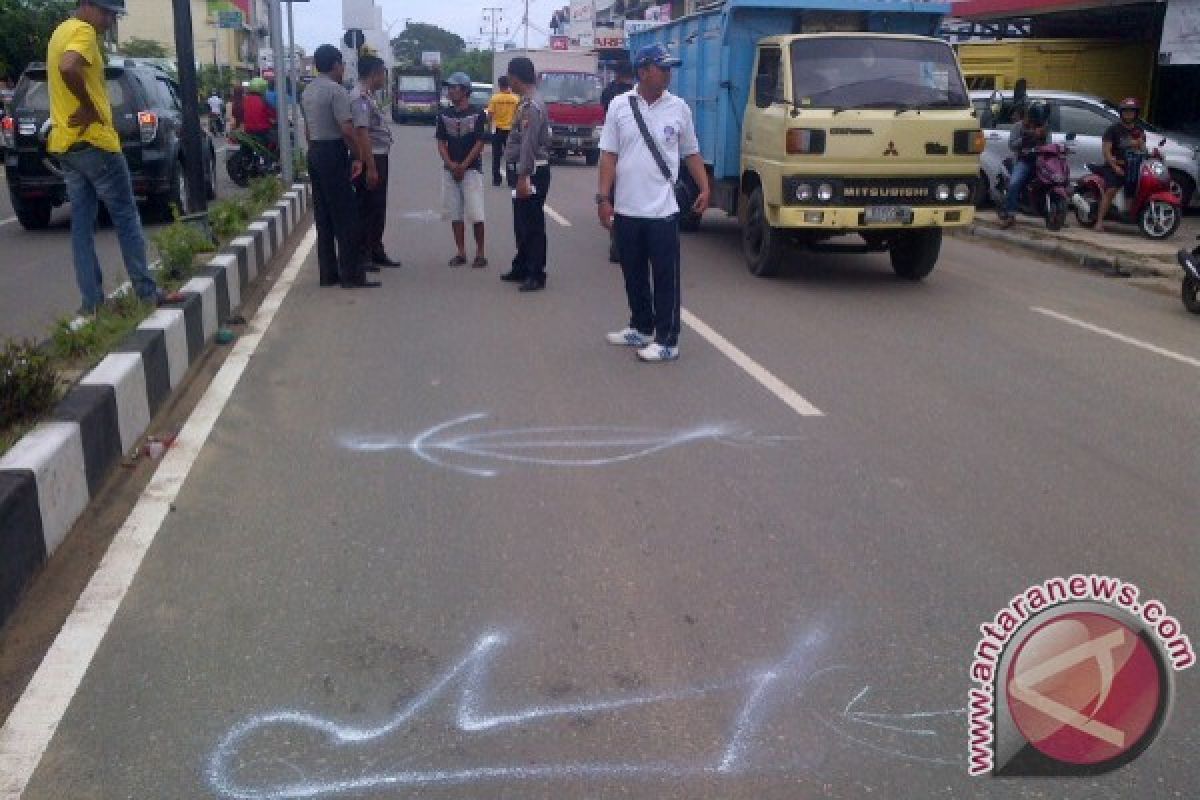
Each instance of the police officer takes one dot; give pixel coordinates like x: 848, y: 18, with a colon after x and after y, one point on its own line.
x: 329, y: 121
x: 369, y: 123
x: 527, y: 155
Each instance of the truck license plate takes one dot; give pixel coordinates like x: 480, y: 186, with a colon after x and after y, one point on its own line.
x: 573, y: 140
x: 888, y: 215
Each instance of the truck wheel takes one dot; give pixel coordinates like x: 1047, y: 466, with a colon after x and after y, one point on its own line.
x: 34, y: 215
x: 762, y: 245
x: 591, y: 157
x: 914, y: 253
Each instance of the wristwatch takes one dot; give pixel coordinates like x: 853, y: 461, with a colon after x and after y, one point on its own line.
x: 602, y: 198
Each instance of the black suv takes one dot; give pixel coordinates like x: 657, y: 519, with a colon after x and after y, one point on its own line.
x: 149, y: 118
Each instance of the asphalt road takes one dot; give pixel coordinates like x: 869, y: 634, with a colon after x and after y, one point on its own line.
x: 37, y: 276
x: 444, y: 542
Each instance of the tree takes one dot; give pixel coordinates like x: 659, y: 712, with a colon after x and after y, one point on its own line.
x: 25, y: 28
x: 418, y: 37
x: 476, y: 63
x: 136, y: 47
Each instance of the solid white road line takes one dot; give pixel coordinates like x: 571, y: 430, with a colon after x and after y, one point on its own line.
x: 34, y: 720
x: 557, y: 217
x: 752, y: 368
x: 1120, y: 337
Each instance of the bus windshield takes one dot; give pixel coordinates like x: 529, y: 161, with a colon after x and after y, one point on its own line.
x: 416, y: 83
x: 870, y: 72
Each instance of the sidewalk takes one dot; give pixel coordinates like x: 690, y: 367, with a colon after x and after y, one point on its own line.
x: 1120, y: 249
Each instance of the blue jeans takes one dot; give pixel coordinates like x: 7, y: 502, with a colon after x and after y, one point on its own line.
x: 649, y: 251
x: 95, y: 175
x: 1022, y: 172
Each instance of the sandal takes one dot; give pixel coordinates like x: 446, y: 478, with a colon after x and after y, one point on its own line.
x: 479, y: 262
x: 457, y: 261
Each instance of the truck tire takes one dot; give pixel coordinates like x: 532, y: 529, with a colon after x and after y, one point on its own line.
x: 34, y: 215
x: 591, y: 157
x: 762, y: 245
x: 915, y: 253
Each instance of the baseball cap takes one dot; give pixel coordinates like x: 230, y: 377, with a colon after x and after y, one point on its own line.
x: 458, y: 79
x: 655, y: 54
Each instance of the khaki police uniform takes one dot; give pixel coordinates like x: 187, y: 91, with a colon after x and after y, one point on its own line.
x: 372, y: 203
x: 527, y: 153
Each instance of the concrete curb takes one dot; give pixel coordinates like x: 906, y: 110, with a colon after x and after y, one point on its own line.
x: 51, y: 474
x: 1100, y: 258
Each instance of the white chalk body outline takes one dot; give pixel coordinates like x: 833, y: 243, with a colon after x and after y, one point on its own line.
x: 470, y: 674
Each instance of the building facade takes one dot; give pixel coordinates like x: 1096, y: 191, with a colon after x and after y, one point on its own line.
x: 226, y: 33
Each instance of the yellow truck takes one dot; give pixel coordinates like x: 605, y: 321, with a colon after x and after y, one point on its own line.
x: 1107, y: 68
x: 817, y: 124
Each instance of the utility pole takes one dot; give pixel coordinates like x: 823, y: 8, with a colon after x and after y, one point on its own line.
x: 525, y: 22
x: 275, y: 25
x: 293, y: 68
x: 193, y: 158
x: 491, y: 15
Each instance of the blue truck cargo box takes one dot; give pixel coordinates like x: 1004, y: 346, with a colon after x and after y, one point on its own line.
x: 717, y: 48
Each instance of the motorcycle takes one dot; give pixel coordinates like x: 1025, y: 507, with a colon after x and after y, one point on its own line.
x: 1047, y: 192
x: 1146, y: 200
x: 1190, y: 261
x: 251, y: 160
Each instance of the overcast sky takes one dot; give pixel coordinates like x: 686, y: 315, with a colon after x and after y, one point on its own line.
x: 320, y: 21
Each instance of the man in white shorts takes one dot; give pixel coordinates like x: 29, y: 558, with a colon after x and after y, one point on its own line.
x: 461, y: 135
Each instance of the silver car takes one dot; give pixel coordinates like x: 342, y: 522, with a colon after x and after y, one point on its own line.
x: 1088, y: 117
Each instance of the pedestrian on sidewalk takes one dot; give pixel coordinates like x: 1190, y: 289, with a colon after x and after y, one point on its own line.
x: 461, y: 133
x: 328, y: 118
x: 1024, y: 139
x: 527, y: 158
x: 647, y: 134
x: 88, y: 147
x: 501, y: 108
x: 370, y: 122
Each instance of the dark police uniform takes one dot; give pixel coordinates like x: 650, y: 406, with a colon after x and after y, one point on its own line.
x: 527, y: 152
x: 326, y: 105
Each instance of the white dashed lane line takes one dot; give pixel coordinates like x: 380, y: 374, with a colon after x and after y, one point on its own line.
x: 557, y: 217
x: 1120, y: 337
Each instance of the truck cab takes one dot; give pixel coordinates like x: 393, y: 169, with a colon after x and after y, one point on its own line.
x: 574, y: 112
x: 815, y: 124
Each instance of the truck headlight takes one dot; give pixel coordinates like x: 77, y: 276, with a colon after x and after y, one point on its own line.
x: 804, y: 192
x: 943, y: 192
x: 961, y: 192
x: 824, y: 192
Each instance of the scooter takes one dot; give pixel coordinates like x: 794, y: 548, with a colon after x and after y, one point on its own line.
x: 1190, y: 261
x: 1047, y: 194
x: 251, y: 160
x: 1146, y: 201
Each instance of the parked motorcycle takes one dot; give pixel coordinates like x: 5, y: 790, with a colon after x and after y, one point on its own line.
x: 1047, y: 193
x: 1190, y: 261
x: 251, y: 160
x: 1147, y: 201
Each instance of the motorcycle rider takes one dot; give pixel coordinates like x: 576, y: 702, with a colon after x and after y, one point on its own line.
x: 1024, y: 139
x: 1120, y: 139
x: 258, y: 118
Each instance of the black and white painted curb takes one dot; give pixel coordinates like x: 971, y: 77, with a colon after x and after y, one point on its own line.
x: 49, y: 476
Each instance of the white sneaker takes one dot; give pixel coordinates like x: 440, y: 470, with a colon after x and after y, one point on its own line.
x: 658, y: 352
x: 628, y: 337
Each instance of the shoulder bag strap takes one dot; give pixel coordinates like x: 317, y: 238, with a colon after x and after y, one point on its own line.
x: 650, y: 143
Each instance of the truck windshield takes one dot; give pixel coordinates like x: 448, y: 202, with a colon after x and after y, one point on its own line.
x: 871, y: 72
x: 416, y: 83
x: 576, y: 88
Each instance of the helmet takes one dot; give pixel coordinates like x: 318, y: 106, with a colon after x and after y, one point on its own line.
x: 458, y: 79
x: 258, y: 85
x: 1037, y: 113
x: 1130, y: 104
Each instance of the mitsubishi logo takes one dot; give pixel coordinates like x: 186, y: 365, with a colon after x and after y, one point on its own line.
x: 891, y: 150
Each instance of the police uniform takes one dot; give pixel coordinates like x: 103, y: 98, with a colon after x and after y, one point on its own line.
x: 372, y: 203
x: 326, y: 106
x: 527, y: 153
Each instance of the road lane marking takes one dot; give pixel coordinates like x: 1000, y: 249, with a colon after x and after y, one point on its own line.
x: 755, y: 370
x: 33, y: 722
x: 557, y: 217
x: 1120, y: 337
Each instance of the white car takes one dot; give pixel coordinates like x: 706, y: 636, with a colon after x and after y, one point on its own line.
x: 1088, y: 117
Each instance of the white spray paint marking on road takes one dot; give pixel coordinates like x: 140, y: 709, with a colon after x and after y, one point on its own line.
x: 424, y: 215
x: 569, y: 446
x: 751, y: 367
x: 763, y: 692
x: 1120, y: 337
x: 557, y: 217
x: 34, y: 720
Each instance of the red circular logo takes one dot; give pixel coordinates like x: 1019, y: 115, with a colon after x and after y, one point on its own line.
x: 1084, y: 688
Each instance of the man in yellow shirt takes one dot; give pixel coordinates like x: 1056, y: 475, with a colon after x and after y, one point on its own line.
x: 501, y: 109
x: 87, y: 145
